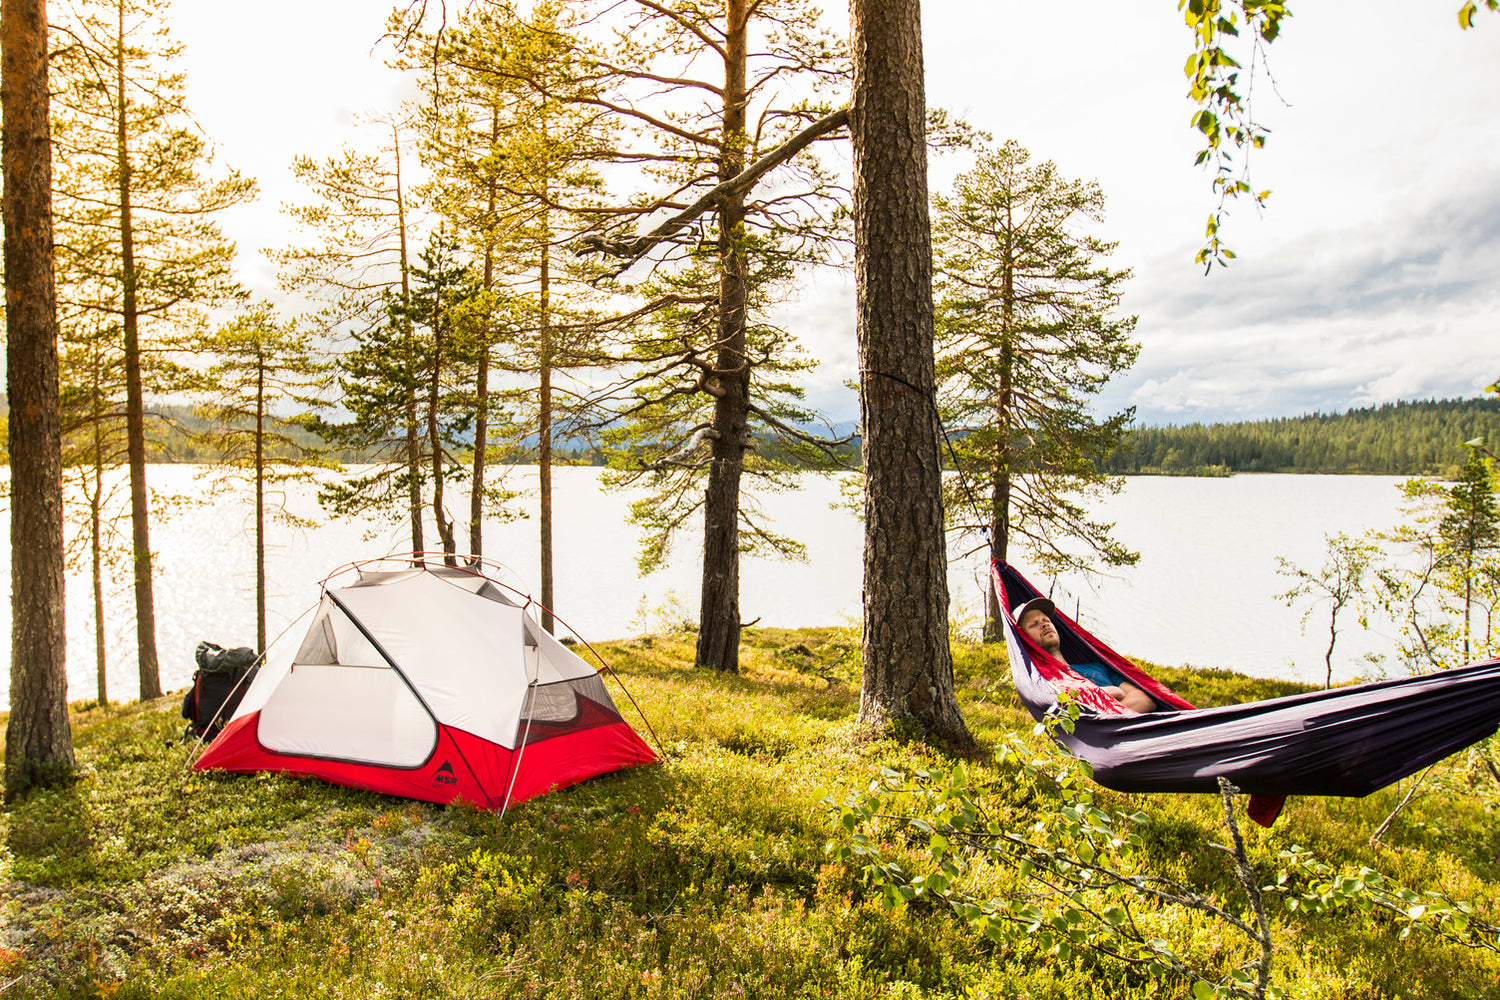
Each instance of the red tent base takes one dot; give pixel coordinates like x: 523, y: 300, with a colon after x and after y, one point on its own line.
x: 462, y: 766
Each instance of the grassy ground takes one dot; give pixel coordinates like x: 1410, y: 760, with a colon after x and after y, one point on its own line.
x: 708, y: 875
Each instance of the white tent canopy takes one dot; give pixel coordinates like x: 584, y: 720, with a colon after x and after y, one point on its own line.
x: 397, y: 662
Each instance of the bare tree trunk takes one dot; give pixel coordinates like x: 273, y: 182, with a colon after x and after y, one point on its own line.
x: 994, y: 631
x: 908, y: 666
x: 434, y: 437
x: 481, y: 442
x: 1333, y: 638
x: 1468, y: 606
x: 135, y: 409
x: 96, y: 554
x: 1004, y: 457
x: 38, y: 739
x: 719, y: 608
x: 544, y: 427
x: 482, y: 372
x: 260, y: 501
x: 96, y: 527
x: 413, y: 440
x: 414, y: 468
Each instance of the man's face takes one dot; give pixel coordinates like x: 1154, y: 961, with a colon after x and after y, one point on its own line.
x: 1036, y: 624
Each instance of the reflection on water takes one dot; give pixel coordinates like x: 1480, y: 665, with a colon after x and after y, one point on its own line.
x: 1203, y: 592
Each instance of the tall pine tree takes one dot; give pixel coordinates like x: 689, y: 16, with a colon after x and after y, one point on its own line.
x: 261, y: 368
x: 1470, y: 530
x: 907, y: 681
x: 138, y: 243
x: 354, y: 255
x: 514, y: 149
x: 442, y: 311
x: 94, y: 449
x: 1026, y: 337
x: 38, y: 737
x: 705, y: 92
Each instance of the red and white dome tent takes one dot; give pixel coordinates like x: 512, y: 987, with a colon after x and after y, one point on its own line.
x: 431, y: 682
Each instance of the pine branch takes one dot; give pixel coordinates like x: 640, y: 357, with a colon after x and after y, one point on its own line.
x: 634, y: 248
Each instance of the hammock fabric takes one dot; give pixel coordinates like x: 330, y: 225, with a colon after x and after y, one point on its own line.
x: 1345, y: 741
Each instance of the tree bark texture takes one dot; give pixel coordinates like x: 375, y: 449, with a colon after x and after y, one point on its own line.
x: 135, y: 407
x: 719, y: 607
x: 908, y: 666
x: 38, y: 740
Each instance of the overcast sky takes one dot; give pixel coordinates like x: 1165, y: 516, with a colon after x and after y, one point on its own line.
x: 1369, y: 278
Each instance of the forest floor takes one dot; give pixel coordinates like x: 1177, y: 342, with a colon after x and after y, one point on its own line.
x: 723, y: 871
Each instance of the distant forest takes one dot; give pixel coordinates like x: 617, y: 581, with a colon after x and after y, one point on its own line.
x: 1424, y: 437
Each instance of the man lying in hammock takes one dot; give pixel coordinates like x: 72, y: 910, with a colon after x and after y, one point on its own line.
x: 1034, y: 619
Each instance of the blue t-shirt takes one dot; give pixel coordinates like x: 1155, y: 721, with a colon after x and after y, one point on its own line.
x: 1100, y: 673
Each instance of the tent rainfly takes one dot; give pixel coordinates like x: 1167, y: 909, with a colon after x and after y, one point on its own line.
x: 429, y: 682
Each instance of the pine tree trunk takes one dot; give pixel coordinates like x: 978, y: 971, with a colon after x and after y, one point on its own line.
x: 38, y: 740
x: 719, y: 607
x: 994, y: 631
x: 260, y: 502
x: 544, y: 429
x: 482, y: 374
x: 413, y: 461
x: 413, y: 440
x: 434, y: 436
x: 96, y: 529
x: 481, y: 445
x: 908, y: 667
x: 140, y: 515
x: 414, y: 470
x: 135, y: 408
x: 96, y: 564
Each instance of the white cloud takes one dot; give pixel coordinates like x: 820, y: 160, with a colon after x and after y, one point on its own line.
x: 1368, y: 278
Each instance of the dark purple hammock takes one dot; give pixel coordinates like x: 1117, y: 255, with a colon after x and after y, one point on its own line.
x: 1345, y: 741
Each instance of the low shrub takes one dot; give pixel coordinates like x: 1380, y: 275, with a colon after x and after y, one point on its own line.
x: 715, y: 873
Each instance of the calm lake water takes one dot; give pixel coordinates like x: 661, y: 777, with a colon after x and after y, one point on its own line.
x: 1202, y: 594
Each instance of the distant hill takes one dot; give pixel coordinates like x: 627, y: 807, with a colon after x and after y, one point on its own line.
x: 1423, y: 437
